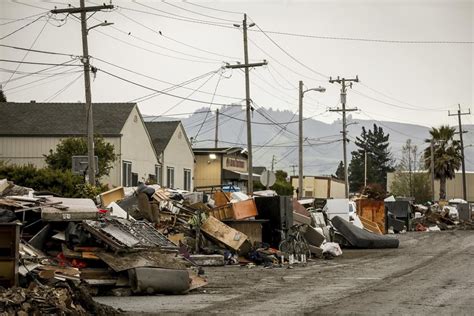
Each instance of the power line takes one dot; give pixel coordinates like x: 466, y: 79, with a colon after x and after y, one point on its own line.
x: 21, y: 19
x: 163, y: 81
x: 156, y: 90
x: 60, y: 91
x: 396, y: 105
x: 37, y: 51
x: 374, y: 40
x: 67, y: 72
x: 175, y: 17
x: 189, y: 95
x: 36, y: 63
x: 21, y: 28
x: 214, y: 9
x: 27, y: 52
x: 41, y: 71
x: 154, y: 44
x: 212, y: 100
x: 197, y: 13
x: 291, y: 56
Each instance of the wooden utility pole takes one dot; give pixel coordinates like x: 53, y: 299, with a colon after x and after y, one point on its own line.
x: 216, y: 140
x: 343, y: 82
x: 273, y: 163
x: 459, y: 114
x: 246, y: 67
x: 432, y: 170
x: 87, y: 81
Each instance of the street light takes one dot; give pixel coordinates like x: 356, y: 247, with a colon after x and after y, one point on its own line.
x: 105, y: 23
x: 300, y: 145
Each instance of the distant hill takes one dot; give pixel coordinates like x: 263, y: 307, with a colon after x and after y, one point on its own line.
x: 323, y: 148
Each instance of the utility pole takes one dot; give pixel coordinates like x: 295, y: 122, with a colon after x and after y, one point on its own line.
x: 410, y: 170
x: 216, y: 140
x: 343, y: 82
x: 365, y: 167
x: 459, y: 114
x: 87, y: 81
x: 273, y: 163
x: 432, y: 170
x: 246, y: 67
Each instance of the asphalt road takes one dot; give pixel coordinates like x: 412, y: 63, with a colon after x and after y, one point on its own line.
x: 430, y: 274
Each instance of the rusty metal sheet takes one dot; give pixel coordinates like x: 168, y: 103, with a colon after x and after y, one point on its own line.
x: 122, y: 262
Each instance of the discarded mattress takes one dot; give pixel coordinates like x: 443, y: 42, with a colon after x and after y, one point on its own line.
x: 360, y: 238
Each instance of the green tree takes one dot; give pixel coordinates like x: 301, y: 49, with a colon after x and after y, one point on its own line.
x: 447, y: 155
x: 61, y: 158
x: 408, y: 181
x: 379, y: 159
x: 340, y: 171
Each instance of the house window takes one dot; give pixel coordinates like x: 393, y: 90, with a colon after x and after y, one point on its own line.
x: 170, y: 177
x: 159, y: 174
x: 127, y: 173
x: 187, y: 179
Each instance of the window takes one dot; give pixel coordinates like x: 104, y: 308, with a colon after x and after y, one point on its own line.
x: 159, y: 174
x: 126, y: 173
x: 170, y: 177
x: 187, y: 180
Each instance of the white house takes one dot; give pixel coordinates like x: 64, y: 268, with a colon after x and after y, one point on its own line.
x: 29, y: 130
x: 175, y: 167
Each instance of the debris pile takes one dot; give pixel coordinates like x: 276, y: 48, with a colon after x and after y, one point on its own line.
x: 47, y: 300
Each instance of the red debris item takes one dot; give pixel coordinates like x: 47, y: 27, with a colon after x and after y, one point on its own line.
x: 65, y: 262
x: 420, y: 228
x: 102, y: 211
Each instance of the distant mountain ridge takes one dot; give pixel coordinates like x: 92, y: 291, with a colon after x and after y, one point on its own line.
x: 323, y: 145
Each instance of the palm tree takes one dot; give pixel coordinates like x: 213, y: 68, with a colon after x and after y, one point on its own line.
x: 447, y: 155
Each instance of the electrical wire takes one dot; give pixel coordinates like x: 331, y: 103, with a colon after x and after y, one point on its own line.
x: 197, y: 13
x: 156, y: 45
x: 21, y: 19
x: 21, y: 28
x: 36, y: 63
x: 189, y: 95
x: 163, y: 81
x: 60, y: 91
x: 38, y: 51
x: 27, y: 53
x: 289, y: 55
x: 361, y: 39
x: 174, y: 16
x: 395, y: 105
x: 155, y: 90
x: 41, y: 71
x: 212, y: 100
x: 214, y: 9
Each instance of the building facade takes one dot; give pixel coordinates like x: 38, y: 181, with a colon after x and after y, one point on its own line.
x: 175, y: 167
x: 28, y: 131
x: 221, y: 166
x: 320, y: 187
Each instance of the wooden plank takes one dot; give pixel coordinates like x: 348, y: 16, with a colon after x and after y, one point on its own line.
x: 370, y: 226
x: 221, y: 198
x: 110, y: 196
x: 244, y: 209
x: 219, y: 231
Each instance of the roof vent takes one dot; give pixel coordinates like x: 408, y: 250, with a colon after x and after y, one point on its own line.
x: 33, y: 101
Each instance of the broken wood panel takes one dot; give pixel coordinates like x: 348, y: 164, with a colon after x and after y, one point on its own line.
x: 223, y: 233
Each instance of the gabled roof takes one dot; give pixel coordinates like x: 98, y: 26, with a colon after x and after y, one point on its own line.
x: 61, y: 119
x: 161, y: 133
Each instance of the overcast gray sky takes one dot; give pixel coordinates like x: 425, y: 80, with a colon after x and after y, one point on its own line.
x: 400, y: 81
